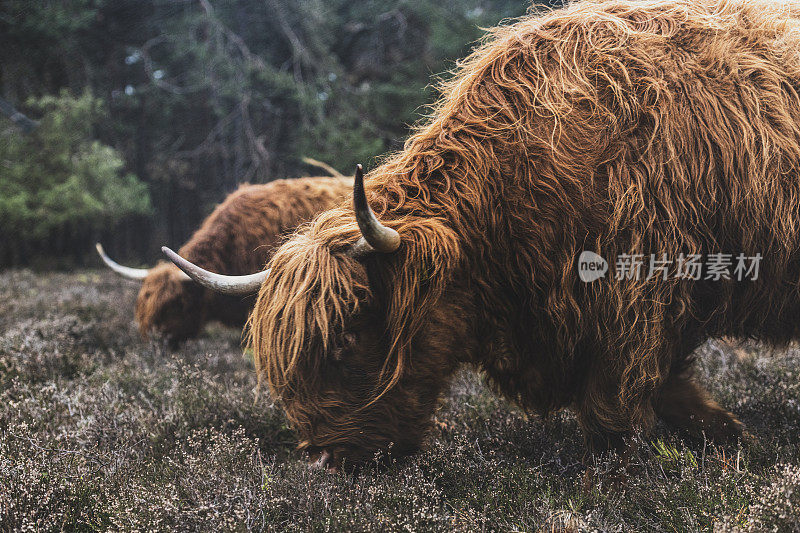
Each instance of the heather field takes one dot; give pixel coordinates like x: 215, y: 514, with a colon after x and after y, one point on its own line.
x: 100, y: 430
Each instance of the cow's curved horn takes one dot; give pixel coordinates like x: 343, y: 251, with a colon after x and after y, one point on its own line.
x: 126, y: 272
x: 230, y: 285
x: 374, y: 234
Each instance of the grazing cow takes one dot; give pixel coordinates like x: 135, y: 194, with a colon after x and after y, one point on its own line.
x: 237, y: 238
x: 619, y: 128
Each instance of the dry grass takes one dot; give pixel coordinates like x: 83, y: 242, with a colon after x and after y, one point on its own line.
x: 100, y: 430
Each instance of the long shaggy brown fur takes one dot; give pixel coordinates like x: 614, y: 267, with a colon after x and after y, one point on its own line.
x: 652, y: 127
x: 237, y: 238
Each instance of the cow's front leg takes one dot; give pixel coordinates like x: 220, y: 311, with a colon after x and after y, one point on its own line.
x: 686, y: 405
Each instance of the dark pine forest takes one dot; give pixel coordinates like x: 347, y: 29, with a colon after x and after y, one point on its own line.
x: 140, y: 115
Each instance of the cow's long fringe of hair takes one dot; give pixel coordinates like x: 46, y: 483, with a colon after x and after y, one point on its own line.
x: 566, y: 106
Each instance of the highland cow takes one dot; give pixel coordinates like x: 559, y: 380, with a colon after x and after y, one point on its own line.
x: 616, y: 127
x: 237, y: 238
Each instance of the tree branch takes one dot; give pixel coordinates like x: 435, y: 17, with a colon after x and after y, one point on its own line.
x: 25, y: 124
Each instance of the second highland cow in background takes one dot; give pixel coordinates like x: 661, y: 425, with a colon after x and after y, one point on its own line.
x: 237, y: 238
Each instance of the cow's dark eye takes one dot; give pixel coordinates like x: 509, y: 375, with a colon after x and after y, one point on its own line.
x: 349, y: 339
x: 345, y: 343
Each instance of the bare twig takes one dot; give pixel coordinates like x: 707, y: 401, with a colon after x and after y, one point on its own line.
x: 324, y: 166
x: 25, y: 124
x: 215, y: 132
x: 252, y: 59
x: 151, y: 71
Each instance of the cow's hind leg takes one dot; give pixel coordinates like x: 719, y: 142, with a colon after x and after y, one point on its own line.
x: 686, y: 405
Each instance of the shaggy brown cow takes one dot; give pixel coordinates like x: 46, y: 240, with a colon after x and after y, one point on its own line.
x: 619, y: 127
x: 238, y: 237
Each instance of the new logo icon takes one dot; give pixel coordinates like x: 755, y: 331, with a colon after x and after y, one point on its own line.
x: 591, y: 266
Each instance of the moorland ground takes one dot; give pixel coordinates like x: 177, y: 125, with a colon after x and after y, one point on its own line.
x: 101, y: 430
